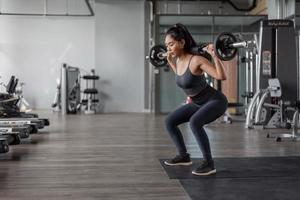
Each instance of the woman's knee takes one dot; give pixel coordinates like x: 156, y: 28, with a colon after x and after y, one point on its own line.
x: 171, y: 121
x: 196, y: 122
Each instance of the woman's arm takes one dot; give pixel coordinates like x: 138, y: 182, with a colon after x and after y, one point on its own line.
x: 171, y: 62
x: 215, y: 70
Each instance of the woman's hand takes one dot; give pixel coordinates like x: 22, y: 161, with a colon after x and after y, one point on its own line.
x: 169, y: 57
x: 216, y: 68
x: 210, y: 49
x: 188, y: 100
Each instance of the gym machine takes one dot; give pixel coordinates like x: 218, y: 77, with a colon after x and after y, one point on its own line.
x: 12, y: 136
x: 13, y: 133
x: 249, y: 60
x: 293, y: 135
x: 270, y: 107
x: 90, y: 100
x: 69, y: 89
x: 33, y: 123
x: 14, y: 124
x: 4, y: 148
x: 68, y: 98
x: 9, y: 104
x: 257, y: 112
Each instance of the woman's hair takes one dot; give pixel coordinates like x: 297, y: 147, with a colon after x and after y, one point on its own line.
x: 179, y: 32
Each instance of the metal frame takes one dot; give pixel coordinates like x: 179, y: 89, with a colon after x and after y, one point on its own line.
x: 293, y: 135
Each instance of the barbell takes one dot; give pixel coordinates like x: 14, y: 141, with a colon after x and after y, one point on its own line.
x: 225, y: 45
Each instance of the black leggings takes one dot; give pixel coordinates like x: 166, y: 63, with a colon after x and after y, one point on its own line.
x: 198, y: 115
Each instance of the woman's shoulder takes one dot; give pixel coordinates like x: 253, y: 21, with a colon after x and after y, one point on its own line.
x: 196, y: 62
x: 199, y: 58
x: 203, y: 55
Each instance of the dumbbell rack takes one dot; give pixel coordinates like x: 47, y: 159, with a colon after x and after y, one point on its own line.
x: 90, y: 93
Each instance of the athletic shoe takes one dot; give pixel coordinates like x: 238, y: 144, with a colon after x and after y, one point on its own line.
x: 205, y: 169
x: 179, y: 160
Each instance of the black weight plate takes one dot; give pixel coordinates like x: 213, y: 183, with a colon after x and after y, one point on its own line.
x: 154, y: 56
x: 221, y: 46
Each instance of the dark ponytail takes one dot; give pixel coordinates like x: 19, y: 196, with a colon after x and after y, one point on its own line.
x: 179, y: 32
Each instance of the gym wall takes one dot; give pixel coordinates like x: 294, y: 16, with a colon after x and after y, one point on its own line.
x: 33, y: 48
x: 120, y: 54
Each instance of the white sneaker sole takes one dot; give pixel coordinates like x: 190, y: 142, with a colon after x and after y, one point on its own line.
x: 184, y: 164
x: 205, y: 174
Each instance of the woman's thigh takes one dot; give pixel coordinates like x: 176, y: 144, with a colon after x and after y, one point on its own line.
x: 182, y: 114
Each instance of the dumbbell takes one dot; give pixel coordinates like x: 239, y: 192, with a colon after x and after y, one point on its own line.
x: 225, y: 45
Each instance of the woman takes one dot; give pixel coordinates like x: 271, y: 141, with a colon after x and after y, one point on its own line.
x: 207, y: 104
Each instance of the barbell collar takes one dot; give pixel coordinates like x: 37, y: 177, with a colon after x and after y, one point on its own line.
x: 162, y: 55
x: 242, y: 44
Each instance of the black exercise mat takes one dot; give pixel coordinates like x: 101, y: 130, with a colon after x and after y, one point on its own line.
x: 271, y: 188
x: 250, y: 167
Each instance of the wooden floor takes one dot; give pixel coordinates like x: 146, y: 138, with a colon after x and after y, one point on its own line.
x: 115, y: 156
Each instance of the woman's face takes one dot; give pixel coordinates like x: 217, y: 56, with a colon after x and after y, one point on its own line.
x: 173, y: 46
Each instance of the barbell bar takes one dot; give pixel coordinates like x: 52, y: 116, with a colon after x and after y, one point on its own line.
x: 225, y: 45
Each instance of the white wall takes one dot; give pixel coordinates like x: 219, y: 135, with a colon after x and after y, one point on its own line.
x: 33, y: 49
x: 120, y: 54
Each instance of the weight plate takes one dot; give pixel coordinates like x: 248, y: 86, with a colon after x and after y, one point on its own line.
x: 222, y: 46
x: 155, y: 59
